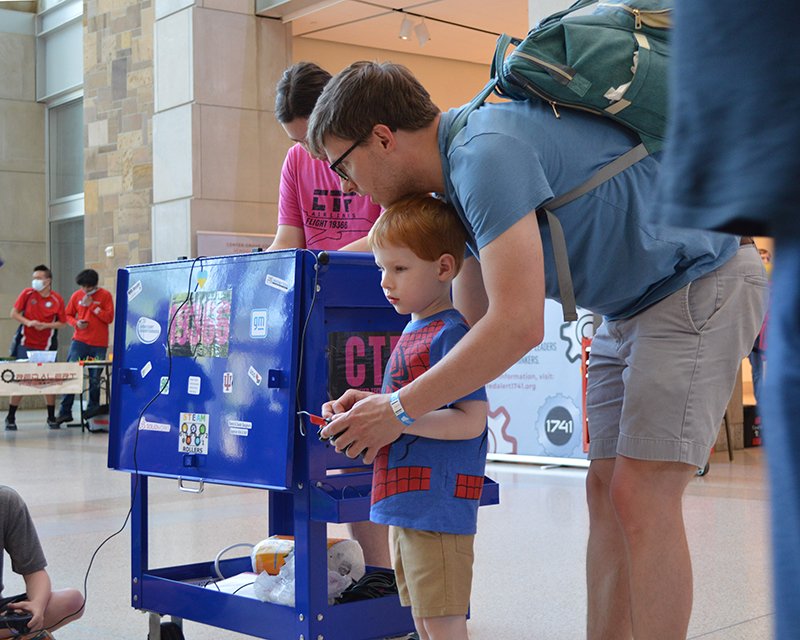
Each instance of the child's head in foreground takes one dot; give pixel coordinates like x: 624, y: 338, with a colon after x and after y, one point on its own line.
x: 419, y: 244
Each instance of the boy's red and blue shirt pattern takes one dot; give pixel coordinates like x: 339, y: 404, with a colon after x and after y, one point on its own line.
x: 425, y: 483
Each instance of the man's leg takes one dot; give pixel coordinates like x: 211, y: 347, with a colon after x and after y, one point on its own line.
x: 646, y: 496
x: 609, y: 605
x: 11, y: 418
x: 98, y: 353
x: 76, y: 352
x: 374, y: 541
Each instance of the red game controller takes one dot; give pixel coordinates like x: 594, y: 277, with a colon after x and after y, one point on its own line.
x: 322, y: 423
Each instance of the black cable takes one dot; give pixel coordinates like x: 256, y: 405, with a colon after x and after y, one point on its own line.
x: 373, y: 585
x: 242, y: 587
x: 303, y: 334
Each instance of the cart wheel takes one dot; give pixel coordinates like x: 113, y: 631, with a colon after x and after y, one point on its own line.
x: 170, y: 631
x: 704, y: 470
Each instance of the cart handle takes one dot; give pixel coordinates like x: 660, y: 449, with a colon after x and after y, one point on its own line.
x: 183, y: 487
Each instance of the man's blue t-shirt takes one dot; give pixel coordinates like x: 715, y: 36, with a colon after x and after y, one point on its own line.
x: 511, y: 158
x: 425, y: 483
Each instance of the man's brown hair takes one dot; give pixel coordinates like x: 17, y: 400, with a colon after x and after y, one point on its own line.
x: 364, y: 95
x: 426, y: 225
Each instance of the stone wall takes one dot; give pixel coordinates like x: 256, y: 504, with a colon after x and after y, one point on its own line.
x: 118, y: 116
x: 23, y: 209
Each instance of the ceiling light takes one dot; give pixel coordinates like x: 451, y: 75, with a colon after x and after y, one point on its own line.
x: 422, y: 33
x: 405, y: 29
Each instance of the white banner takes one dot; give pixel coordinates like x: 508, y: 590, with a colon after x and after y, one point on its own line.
x: 536, y: 407
x: 29, y: 378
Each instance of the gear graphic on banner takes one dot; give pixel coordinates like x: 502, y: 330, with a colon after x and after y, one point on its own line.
x: 559, y: 427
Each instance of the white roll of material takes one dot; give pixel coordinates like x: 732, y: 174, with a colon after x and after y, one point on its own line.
x: 346, y: 558
x: 273, y: 560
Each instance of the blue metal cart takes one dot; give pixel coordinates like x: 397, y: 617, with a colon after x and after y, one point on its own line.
x: 214, y: 357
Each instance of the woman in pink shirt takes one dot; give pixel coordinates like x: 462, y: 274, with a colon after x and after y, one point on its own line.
x: 313, y: 211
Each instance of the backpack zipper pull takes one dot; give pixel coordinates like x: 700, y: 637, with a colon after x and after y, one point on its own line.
x: 637, y: 24
x: 553, y: 105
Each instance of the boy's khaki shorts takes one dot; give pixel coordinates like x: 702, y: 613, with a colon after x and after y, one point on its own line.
x: 433, y: 571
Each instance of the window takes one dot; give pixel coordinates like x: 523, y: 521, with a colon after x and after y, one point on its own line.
x: 66, y: 150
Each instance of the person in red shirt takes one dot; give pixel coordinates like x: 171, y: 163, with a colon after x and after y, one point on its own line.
x: 90, y: 311
x: 40, y: 311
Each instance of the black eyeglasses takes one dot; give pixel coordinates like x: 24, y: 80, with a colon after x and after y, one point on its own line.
x: 335, y: 164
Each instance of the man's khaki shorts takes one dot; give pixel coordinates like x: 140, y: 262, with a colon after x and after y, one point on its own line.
x: 659, y: 381
x: 433, y: 571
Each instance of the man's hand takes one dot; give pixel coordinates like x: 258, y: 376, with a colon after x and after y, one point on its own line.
x: 86, y: 301
x: 38, y: 325
x: 81, y: 324
x: 365, y: 422
x: 344, y: 403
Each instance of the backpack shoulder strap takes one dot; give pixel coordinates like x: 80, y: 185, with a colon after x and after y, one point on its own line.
x: 460, y: 120
x: 545, y: 216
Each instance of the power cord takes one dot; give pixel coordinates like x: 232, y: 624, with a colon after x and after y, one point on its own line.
x: 373, y: 585
x: 320, y: 260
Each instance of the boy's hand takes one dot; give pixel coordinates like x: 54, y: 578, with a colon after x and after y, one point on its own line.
x: 37, y: 610
x: 344, y: 403
x: 367, y: 424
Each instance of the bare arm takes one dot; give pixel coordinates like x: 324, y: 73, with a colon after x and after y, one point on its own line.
x: 513, y: 274
x: 288, y: 237
x: 357, y: 245
x: 37, y: 587
x: 16, y: 315
x: 461, y: 421
x: 39, y: 326
x: 469, y: 293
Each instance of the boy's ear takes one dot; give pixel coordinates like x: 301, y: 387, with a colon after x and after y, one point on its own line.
x: 447, y: 267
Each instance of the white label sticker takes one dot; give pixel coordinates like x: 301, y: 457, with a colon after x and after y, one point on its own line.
x: 135, y: 290
x: 239, y: 432
x: 194, y: 386
x: 240, y: 424
x: 227, y: 382
x: 164, y: 386
x: 193, y: 433
x: 147, y: 368
x: 258, y: 323
x: 148, y: 330
x: 276, y: 283
x: 255, y: 376
x: 144, y: 425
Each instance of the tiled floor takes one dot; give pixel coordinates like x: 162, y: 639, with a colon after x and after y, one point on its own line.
x: 529, y: 575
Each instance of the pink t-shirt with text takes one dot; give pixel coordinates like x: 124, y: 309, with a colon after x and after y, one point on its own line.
x: 311, y: 198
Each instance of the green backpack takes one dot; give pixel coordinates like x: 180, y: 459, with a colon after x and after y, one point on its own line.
x: 612, y: 62
x: 585, y: 62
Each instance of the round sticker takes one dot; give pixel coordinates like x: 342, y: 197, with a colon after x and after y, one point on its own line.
x: 148, y: 330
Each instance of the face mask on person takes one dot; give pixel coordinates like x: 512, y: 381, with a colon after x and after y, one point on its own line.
x: 38, y: 284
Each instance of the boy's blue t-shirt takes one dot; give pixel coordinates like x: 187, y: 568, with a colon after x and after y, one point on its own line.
x: 511, y: 158
x: 425, y: 483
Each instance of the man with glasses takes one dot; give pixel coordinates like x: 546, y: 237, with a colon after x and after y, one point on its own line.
x: 681, y: 310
